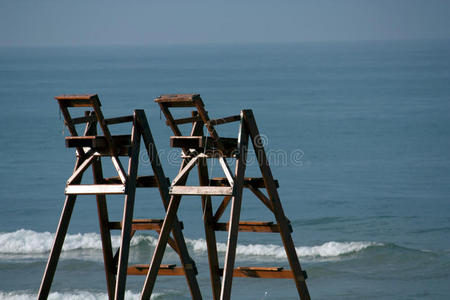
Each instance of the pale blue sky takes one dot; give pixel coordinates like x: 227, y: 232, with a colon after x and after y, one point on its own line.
x: 63, y: 22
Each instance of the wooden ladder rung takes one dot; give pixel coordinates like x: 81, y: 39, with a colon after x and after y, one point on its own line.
x: 96, y: 141
x: 95, y: 189
x: 185, y: 120
x: 256, y: 182
x: 201, y: 190
x: 147, y: 181
x: 141, y: 224
x: 179, y: 100
x: 263, y: 272
x: 141, y: 269
x: 225, y: 120
x: 249, y: 226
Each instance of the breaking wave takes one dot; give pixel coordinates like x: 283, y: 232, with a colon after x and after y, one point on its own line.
x: 29, y: 242
x: 329, y: 249
x: 75, y: 295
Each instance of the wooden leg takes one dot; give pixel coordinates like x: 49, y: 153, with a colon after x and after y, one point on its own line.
x: 57, y: 247
x: 209, y: 231
x: 235, y: 214
x: 105, y: 233
x: 160, y: 247
x: 277, y: 208
x: 187, y: 262
x: 127, y: 219
x: 60, y: 235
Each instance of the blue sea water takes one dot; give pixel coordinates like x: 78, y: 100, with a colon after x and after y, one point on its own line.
x: 358, y: 135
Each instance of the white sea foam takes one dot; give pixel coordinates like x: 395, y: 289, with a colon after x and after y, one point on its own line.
x: 75, y: 295
x: 29, y: 242
x: 329, y: 249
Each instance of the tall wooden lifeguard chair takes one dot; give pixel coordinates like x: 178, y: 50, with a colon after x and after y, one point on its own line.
x: 90, y: 147
x: 196, y: 149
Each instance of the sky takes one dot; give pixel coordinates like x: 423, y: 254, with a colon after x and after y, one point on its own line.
x: 149, y: 22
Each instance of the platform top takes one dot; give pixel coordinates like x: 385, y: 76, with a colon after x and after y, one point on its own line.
x: 177, y: 98
x: 85, y: 100
x: 76, y: 97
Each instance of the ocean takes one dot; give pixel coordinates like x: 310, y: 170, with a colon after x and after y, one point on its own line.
x: 358, y: 135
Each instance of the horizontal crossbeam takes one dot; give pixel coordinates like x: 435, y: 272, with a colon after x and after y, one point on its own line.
x: 263, y: 272
x: 249, y: 226
x: 201, y: 190
x: 257, y: 182
x: 141, y: 224
x: 97, y: 141
x: 95, y: 189
x: 163, y: 270
x: 141, y: 181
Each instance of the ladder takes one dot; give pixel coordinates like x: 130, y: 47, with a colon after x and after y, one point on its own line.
x: 90, y: 147
x: 196, y: 149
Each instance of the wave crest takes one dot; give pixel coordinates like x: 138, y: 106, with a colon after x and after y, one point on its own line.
x: 328, y: 249
x: 30, y: 242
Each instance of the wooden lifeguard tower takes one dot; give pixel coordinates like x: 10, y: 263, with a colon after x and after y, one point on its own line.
x: 90, y: 148
x: 197, y: 148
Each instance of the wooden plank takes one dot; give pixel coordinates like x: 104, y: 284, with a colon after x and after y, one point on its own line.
x: 110, y: 142
x: 118, y: 166
x: 201, y: 190
x: 76, y: 97
x: 119, y: 120
x: 260, y: 272
x: 225, y: 120
x: 127, y: 218
x: 210, y: 235
x: 185, y: 120
x: 281, y: 219
x: 202, y: 143
x: 84, y: 119
x: 105, y: 234
x: 185, y: 171
x: 170, y: 119
x: 249, y: 227
x: 180, y: 244
x: 78, y: 100
x: 221, y: 209
x: 160, y: 247
x: 177, y: 97
x: 230, y: 255
x: 179, y: 100
x: 141, y: 224
x: 257, y: 182
x: 262, y: 197
x: 226, y: 170
x: 186, y: 142
x: 97, y: 141
x: 170, y: 270
x: 64, y: 219
x: 148, y: 181
x: 94, y: 189
x: 79, y: 171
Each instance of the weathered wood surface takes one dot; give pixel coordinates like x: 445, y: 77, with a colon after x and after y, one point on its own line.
x: 201, y: 190
x: 261, y: 272
x: 142, y: 269
x: 277, y: 207
x: 230, y: 255
x: 225, y: 120
x: 257, y: 182
x: 249, y: 227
